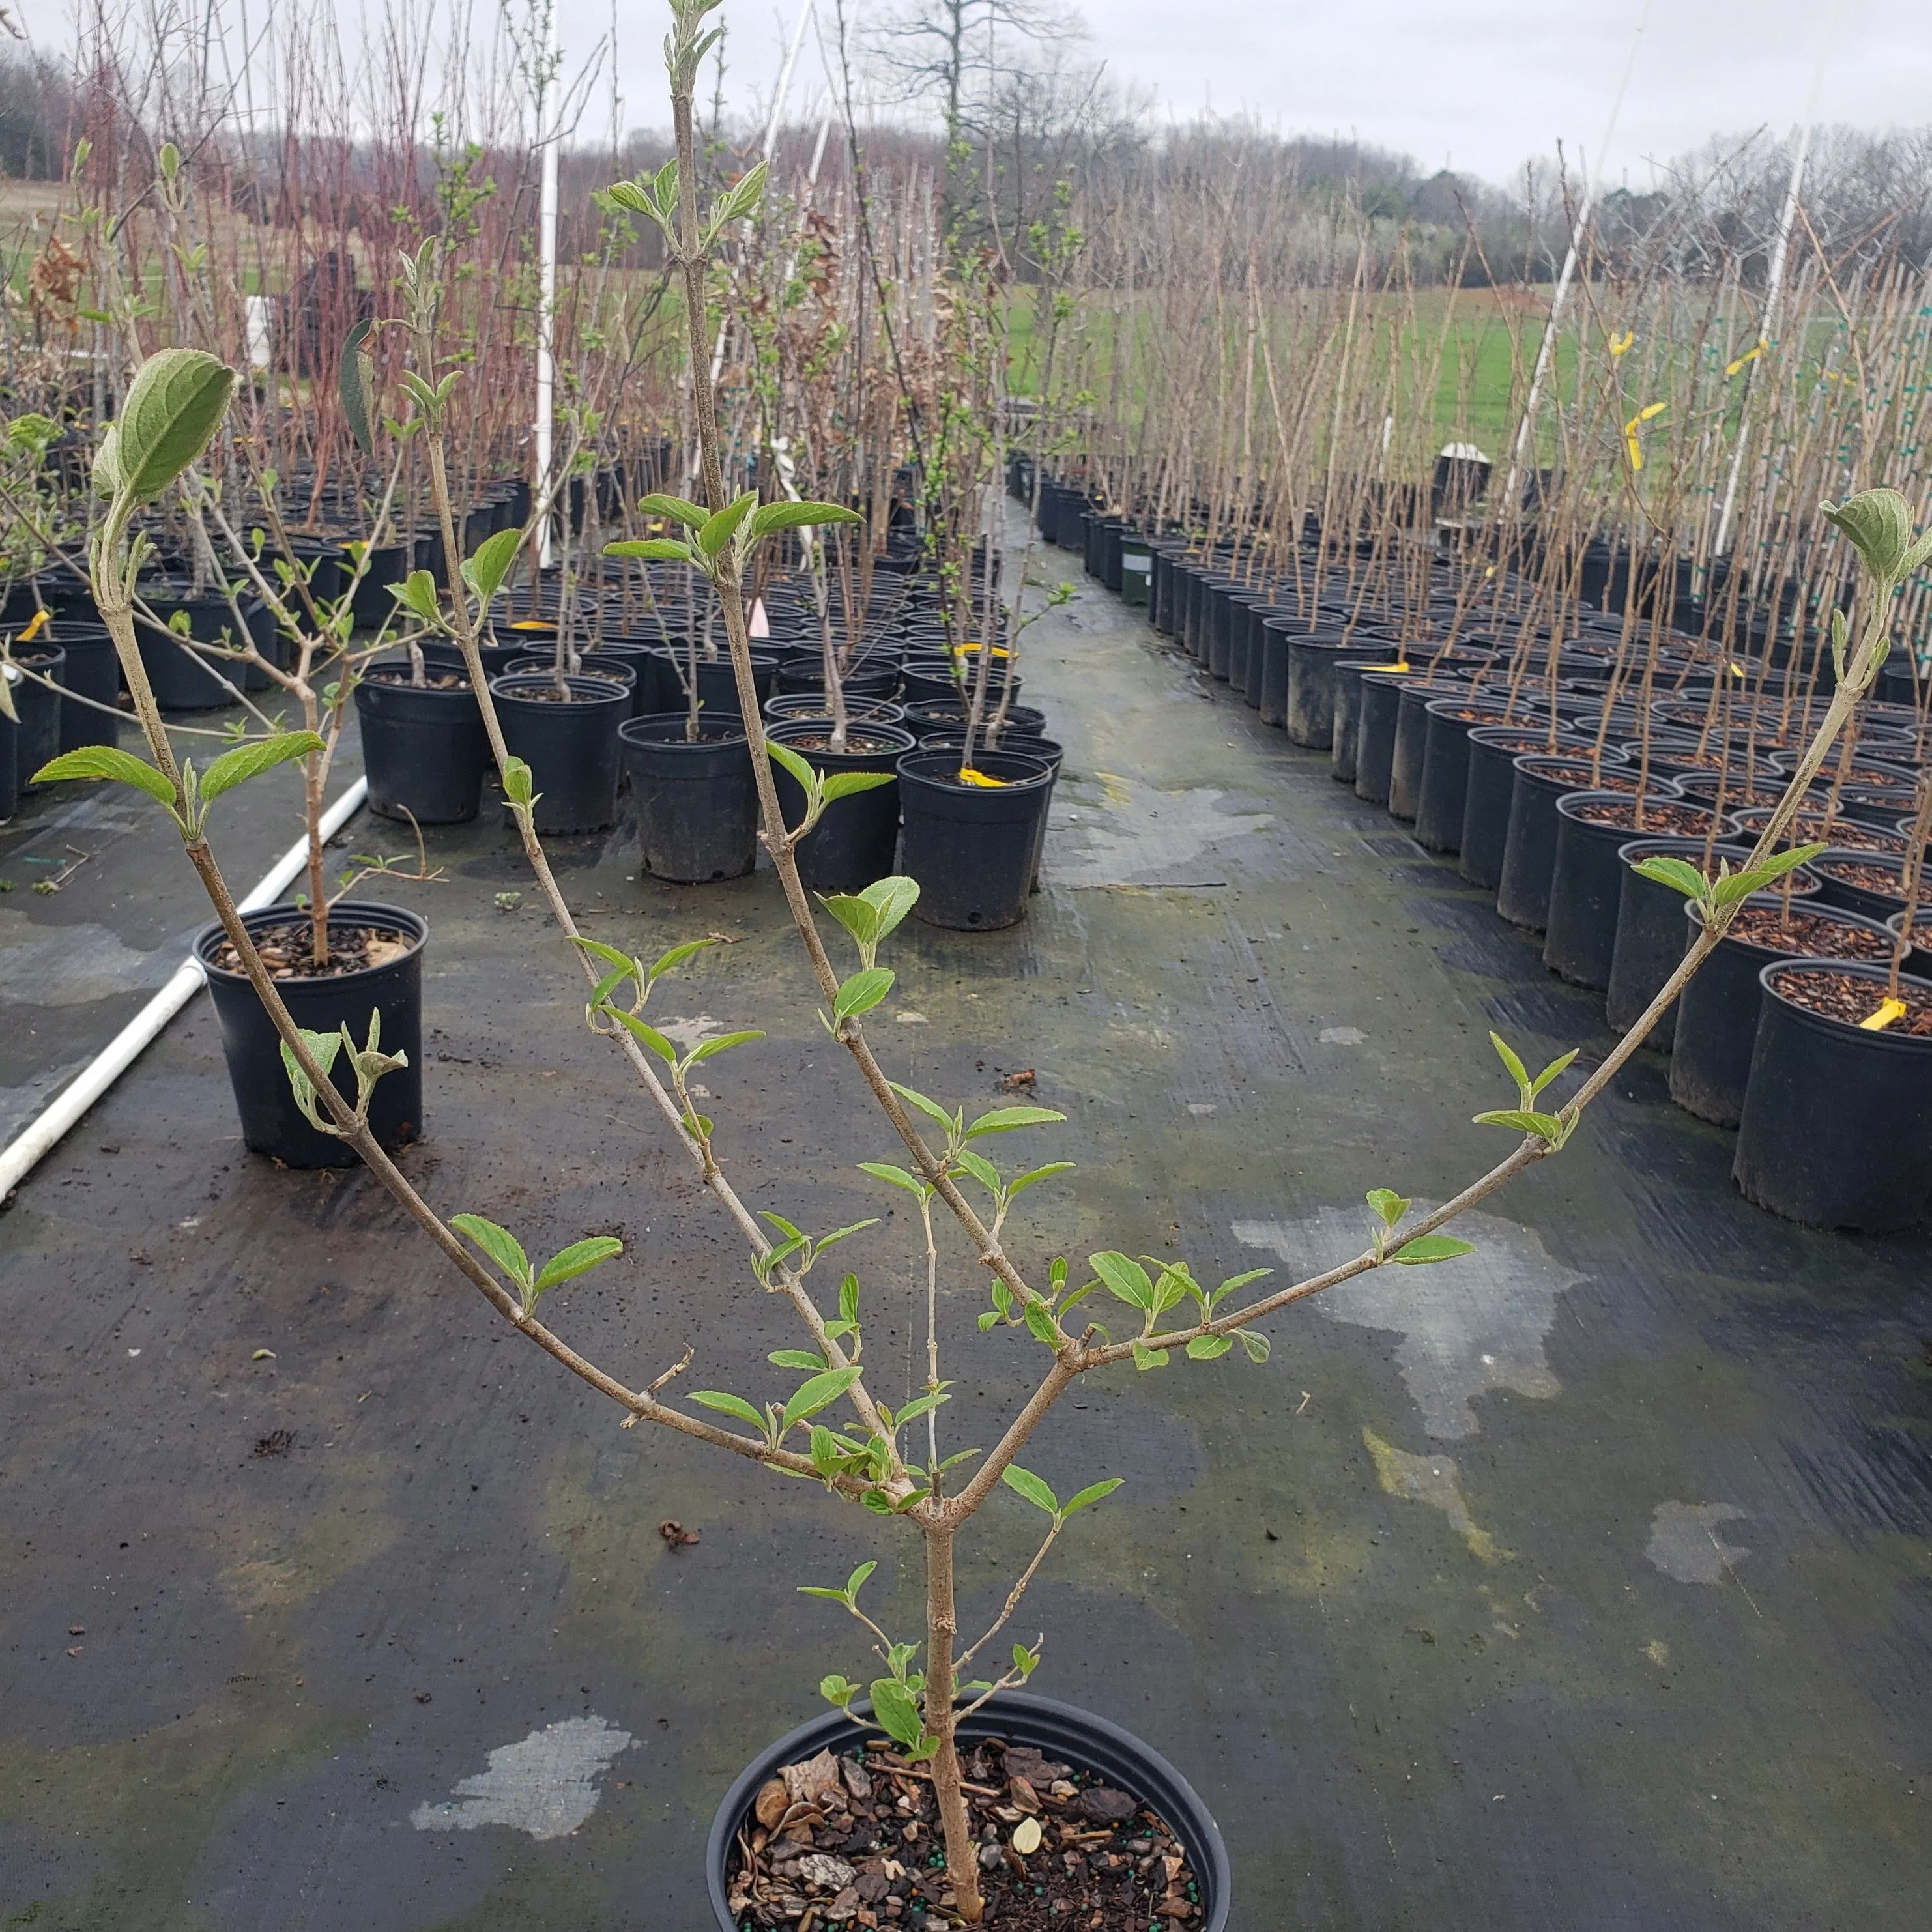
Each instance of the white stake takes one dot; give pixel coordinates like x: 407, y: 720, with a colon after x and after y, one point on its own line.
x: 548, y: 100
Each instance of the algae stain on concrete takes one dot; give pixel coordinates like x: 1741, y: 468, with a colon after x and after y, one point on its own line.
x: 545, y: 1784
x: 1435, y: 1480
x: 71, y: 965
x: 1684, y: 1543
x: 1468, y: 1326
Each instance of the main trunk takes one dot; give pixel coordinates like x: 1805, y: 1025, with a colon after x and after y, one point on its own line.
x: 962, y: 1864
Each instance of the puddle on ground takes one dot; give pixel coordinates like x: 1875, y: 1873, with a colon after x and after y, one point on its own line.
x: 546, y: 1784
x: 1684, y: 1543
x: 1139, y: 836
x: 1468, y: 1326
x: 73, y: 965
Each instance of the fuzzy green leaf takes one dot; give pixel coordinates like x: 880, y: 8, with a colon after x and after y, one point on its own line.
x: 1125, y: 1278
x: 355, y: 382
x: 772, y: 517
x: 652, y: 550
x: 844, y: 785
x: 251, y: 759
x: 718, y: 531
x: 1256, y: 1344
x: 499, y: 1243
x: 677, y: 509
x: 821, y: 1392
x: 1146, y: 1358
x: 1004, y: 1120
x: 1432, y: 1248
x: 723, y: 1043
x: 485, y: 571
x: 643, y: 1030
x: 1524, y: 1121
x: 1208, y: 1348
x: 1678, y: 873
x: 801, y: 1359
x: 1389, y: 1206
x: 1092, y: 1493
x: 1024, y: 1483
x: 881, y: 1170
x: 102, y: 761
x: 862, y: 992
x: 173, y: 407
x: 897, y: 1711
x: 729, y: 1404
x: 578, y: 1258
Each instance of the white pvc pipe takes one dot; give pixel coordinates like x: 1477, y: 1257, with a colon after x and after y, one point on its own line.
x: 47, y: 1130
x: 549, y: 135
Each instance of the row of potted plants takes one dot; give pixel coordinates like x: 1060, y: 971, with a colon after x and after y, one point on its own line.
x: 1585, y: 777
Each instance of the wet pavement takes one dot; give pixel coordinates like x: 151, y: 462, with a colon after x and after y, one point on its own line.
x: 1586, y: 1581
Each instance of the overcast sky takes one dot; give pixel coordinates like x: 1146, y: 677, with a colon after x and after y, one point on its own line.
x: 1479, y: 86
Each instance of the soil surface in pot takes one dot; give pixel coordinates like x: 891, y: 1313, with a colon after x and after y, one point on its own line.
x: 1887, y: 879
x: 1812, y: 935
x: 433, y: 679
x: 1685, y: 821
x: 855, y: 741
x: 856, y: 1841
x: 1807, y: 829
x: 1851, y: 998
x: 548, y: 694
x: 1612, y: 778
x: 285, y: 950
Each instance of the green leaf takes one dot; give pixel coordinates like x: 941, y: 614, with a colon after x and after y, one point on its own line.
x: 891, y: 899
x: 848, y: 1292
x: 1678, y: 873
x: 843, y: 784
x: 717, y: 531
x: 802, y: 1359
x: 1020, y: 1182
x: 1550, y: 1072
x: 821, y: 1392
x: 644, y: 1031
x: 1093, y: 1492
x: 499, y: 1243
x: 173, y: 407
x: 1524, y: 1121
x: 729, y: 1404
x: 1506, y: 1055
x: 578, y: 1258
x: 677, y: 509
x: 517, y: 783
x: 857, y: 914
x: 1004, y: 1120
x: 1024, y: 1483
x: 881, y: 1170
x: 1741, y: 885
x: 418, y: 591
x: 102, y: 761
x: 1390, y: 1207
x: 981, y: 1169
x: 878, y: 1504
x: 355, y: 382
x: 855, y: 1582
x: 839, y: 1235
x: 723, y: 1043
x: 862, y: 992
x: 251, y: 759
x: 485, y: 571
x: 653, y: 550
x: 1880, y: 525
x: 1146, y: 1358
x: 931, y: 1108
x: 771, y: 516
x: 835, y: 1689
x: 897, y: 1711
x: 677, y: 955
x: 1039, y: 1323
x: 1209, y: 1348
x: 323, y: 1047
x: 1256, y: 1344
x: 789, y: 761
x: 1432, y: 1248
x: 1126, y: 1279
x: 918, y: 1407
x: 1241, y: 1280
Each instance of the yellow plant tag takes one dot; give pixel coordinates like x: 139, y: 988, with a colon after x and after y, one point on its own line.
x: 1620, y: 345
x: 533, y: 624
x: 35, y: 626
x: 1404, y: 665
x: 1887, y: 1011
x: 1749, y: 355
x: 969, y: 776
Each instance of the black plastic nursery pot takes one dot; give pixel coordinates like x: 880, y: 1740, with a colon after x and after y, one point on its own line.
x: 571, y: 747
x: 1837, y: 1130
x: 38, y: 740
x: 271, y: 1123
x: 1380, y: 707
x: 1489, y: 791
x: 854, y: 843
x: 1580, y: 942
x: 787, y: 705
x: 1308, y: 704
x: 1529, y: 849
x: 1918, y: 960
x: 424, y: 750
x: 1409, y: 752
x: 1074, y: 1736
x: 1345, y: 725
x: 1718, y: 1013
x: 1444, y: 795
x: 10, y: 756
x: 619, y: 670
x: 697, y: 803
x: 182, y: 680
x: 972, y: 846
x: 93, y: 671
x: 1647, y: 945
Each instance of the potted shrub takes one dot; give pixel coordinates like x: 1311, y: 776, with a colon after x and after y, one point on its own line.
x: 921, y: 1719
